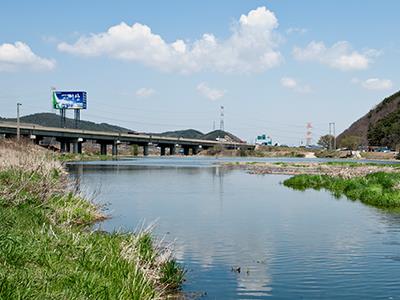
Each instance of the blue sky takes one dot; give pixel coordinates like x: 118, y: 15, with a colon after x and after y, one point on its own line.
x: 164, y: 65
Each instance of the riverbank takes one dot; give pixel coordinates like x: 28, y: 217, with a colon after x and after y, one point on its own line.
x: 371, y: 183
x: 48, y: 249
x: 377, y: 189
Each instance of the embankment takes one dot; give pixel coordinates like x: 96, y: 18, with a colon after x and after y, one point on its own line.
x: 48, y: 249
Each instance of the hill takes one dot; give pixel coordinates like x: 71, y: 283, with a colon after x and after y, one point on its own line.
x: 53, y: 120
x: 195, y: 134
x: 188, y: 133
x: 379, y: 127
x: 213, y: 135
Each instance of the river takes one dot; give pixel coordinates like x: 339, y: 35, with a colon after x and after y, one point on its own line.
x: 288, y: 244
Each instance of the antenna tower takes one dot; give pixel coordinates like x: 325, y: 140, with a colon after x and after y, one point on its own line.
x: 309, y: 134
x: 221, y: 122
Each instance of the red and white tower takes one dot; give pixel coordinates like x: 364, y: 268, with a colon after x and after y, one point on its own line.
x: 309, y: 134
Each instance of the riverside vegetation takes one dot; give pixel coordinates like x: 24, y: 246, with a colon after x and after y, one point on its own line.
x: 48, y: 249
x: 371, y: 183
x: 377, y: 189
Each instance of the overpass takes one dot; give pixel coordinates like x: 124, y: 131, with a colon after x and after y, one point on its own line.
x: 75, y: 137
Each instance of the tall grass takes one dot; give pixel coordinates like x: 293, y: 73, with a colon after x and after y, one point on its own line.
x: 377, y: 189
x: 48, y: 249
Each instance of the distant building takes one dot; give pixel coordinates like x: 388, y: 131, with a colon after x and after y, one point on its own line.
x: 263, y: 140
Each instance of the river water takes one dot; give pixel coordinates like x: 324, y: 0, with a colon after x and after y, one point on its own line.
x: 288, y: 244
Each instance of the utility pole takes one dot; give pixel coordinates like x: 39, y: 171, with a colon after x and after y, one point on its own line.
x: 332, y: 134
x: 18, y: 129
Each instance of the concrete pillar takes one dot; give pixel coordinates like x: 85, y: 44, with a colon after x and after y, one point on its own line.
x: 172, y: 150
x: 195, y: 150
x: 162, y: 149
x: 145, y: 150
x: 68, y: 147
x: 62, y: 147
x: 115, y: 149
x: 186, y: 150
x: 78, y: 147
x: 103, y: 149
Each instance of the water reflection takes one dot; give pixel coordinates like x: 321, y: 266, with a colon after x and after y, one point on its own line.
x: 288, y: 244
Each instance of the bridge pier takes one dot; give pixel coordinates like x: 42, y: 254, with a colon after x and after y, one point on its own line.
x: 145, y: 150
x: 103, y: 149
x: 186, y: 150
x: 115, y: 149
x: 162, y: 150
x: 172, y: 150
x: 195, y: 150
x: 77, y: 147
x: 62, y: 146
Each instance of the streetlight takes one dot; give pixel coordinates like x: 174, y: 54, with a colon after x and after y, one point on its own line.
x: 18, y: 129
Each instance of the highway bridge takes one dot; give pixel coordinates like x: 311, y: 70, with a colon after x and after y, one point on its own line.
x: 75, y: 137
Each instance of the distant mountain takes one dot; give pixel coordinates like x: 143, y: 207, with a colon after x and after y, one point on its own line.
x: 53, y: 120
x: 188, y: 133
x: 380, y: 126
x: 213, y: 135
x: 195, y: 134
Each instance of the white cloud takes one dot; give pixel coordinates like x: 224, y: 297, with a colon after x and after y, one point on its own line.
x: 340, y: 56
x: 19, y: 56
x: 377, y: 84
x: 212, y: 94
x: 297, y: 30
x: 252, y: 47
x: 293, y: 84
x: 373, y: 83
x: 288, y: 82
x: 145, y: 92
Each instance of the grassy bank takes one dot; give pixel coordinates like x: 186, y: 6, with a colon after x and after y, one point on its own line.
x: 47, y: 247
x: 377, y: 189
x: 69, y: 157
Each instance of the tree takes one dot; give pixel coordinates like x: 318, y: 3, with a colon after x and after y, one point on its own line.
x: 351, y: 142
x: 326, y: 141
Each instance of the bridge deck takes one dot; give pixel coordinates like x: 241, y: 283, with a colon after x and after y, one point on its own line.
x: 110, y: 137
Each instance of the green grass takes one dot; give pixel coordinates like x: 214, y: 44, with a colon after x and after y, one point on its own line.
x: 48, y: 251
x: 172, y: 275
x: 360, y: 164
x: 377, y: 189
x: 66, y: 157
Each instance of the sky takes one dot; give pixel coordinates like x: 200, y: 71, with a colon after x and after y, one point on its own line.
x: 156, y: 66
